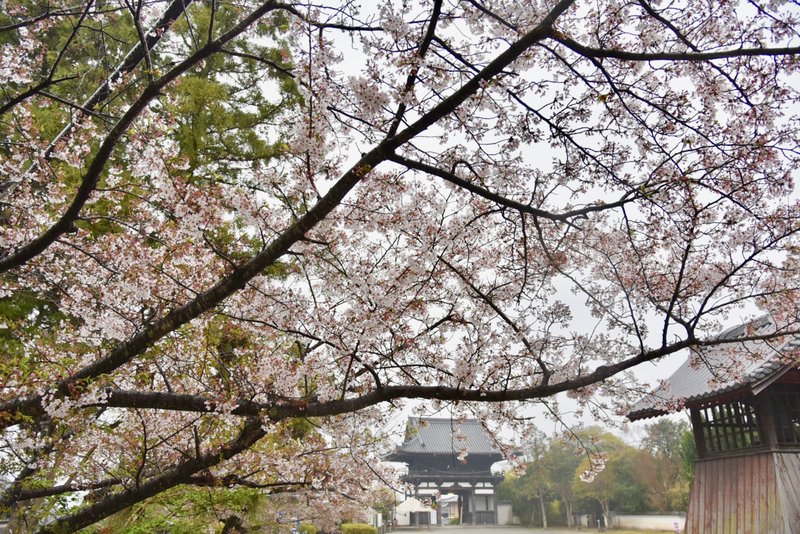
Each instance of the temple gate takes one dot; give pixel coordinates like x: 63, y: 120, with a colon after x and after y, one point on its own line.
x: 434, y: 453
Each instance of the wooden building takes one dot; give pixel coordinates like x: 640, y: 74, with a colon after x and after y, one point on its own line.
x: 433, y: 451
x: 744, y: 402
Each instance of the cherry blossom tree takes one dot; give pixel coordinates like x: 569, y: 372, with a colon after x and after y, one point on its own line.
x: 222, y: 220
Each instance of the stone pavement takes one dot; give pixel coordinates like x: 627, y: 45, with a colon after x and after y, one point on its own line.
x: 457, y: 529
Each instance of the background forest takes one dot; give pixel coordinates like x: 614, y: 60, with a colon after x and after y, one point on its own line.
x: 656, y: 476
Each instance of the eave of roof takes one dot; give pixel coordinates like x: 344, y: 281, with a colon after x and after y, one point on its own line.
x: 698, y: 385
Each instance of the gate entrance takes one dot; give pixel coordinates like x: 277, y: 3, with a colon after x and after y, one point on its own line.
x: 447, y: 457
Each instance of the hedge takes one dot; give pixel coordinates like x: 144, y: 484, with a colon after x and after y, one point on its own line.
x: 358, y: 528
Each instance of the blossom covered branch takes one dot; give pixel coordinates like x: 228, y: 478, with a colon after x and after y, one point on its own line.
x: 237, y: 238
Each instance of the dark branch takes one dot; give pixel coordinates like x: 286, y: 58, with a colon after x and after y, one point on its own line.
x: 504, y: 201
x: 182, y: 473
x: 411, y: 80
x: 32, y: 91
x: 598, y: 53
x: 132, y: 59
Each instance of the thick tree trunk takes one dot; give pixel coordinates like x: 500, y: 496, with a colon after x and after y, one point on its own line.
x: 568, y: 507
x: 606, y: 505
x: 541, y: 504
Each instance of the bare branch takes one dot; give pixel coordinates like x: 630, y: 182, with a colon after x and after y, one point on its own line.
x: 599, y: 53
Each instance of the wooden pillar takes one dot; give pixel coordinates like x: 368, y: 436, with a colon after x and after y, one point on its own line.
x: 438, y: 503
x: 697, y: 431
x: 472, y: 503
x: 494, y: 505
x: 766, y: 422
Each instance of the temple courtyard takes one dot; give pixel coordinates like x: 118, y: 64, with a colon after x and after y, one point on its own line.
x: 493, y: 529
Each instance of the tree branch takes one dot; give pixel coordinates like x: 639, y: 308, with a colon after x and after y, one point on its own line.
x: 207, y: 300
x: 131, y: 60
x: 277, y: 411
x: 597, y: 53
x: 182, y: 473
x: 507, y: 202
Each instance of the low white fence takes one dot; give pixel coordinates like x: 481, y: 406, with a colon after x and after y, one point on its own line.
x: 651, y: 522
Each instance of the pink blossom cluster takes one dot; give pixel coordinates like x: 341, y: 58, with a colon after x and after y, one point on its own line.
x: 275, y: 235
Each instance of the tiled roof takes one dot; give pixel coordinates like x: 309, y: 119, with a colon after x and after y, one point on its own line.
x: 446, y: 436
x: 720, y: 369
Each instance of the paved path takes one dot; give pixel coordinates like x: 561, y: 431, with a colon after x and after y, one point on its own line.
x: 455, y: 529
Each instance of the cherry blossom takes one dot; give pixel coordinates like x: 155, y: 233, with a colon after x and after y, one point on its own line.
x: 240, y: 241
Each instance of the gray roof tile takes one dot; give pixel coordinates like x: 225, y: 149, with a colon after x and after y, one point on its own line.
x: 441, y: 436
x: 719, y: 369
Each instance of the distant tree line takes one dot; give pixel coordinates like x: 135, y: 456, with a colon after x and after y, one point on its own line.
x: 592, y: 471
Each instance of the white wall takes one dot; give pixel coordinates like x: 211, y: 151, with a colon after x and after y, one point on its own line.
x: 402, y: 519
x: 504, y: 514
x: 402, y: 513
x: 654, y: 522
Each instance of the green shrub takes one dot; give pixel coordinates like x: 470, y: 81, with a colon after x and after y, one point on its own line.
x: 358, y: 528
x: 307, y: 528
x: 453, y: 521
